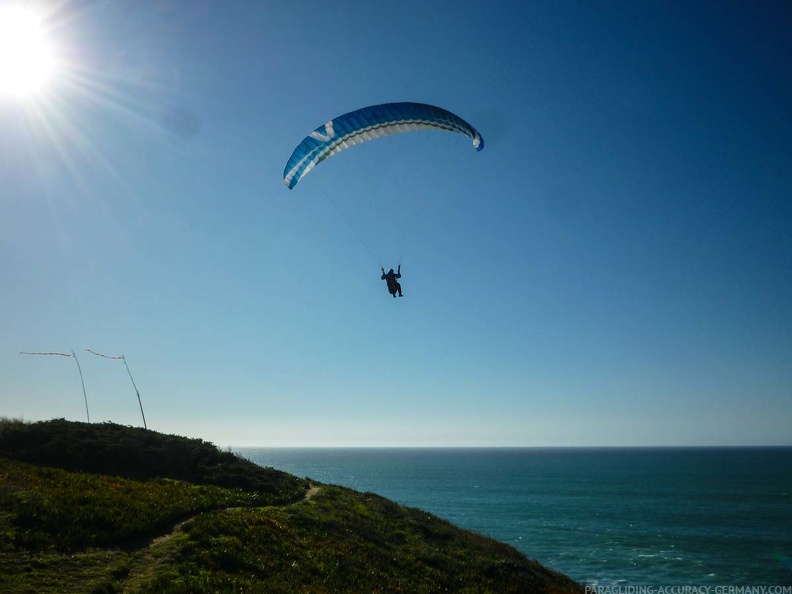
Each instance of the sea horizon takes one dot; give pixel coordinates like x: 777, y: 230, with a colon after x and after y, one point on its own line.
x: 510, y: 447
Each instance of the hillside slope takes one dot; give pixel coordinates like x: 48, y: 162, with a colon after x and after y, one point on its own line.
x: 105, y: 508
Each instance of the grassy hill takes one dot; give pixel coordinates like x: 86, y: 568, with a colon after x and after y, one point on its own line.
x: 106, y: 508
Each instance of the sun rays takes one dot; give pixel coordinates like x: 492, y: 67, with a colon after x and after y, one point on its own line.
x: 63, y: 75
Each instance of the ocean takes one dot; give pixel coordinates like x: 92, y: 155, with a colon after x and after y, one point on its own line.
x: 653, y: 517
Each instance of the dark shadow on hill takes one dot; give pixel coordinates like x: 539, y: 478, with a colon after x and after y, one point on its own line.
x: 140, y: 454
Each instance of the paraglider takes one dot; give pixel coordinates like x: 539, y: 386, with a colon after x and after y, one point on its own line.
x: 367, y: 124
x: 370, y: 123
x: 390, y: 278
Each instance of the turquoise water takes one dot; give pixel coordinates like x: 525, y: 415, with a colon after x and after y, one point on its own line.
x: 658, y: 517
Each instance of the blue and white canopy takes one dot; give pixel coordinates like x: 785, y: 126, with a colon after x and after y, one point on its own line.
x: 367, y: 124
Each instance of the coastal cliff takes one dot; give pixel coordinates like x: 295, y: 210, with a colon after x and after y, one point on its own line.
x: 108, y: 508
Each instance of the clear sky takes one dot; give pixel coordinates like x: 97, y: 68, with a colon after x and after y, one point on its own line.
x: 614, y: 268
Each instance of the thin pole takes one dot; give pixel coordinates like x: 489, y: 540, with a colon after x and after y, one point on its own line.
x: 87, y: 414
x: 130, y: 377
x: 136, y: 392
x: 82, y: 381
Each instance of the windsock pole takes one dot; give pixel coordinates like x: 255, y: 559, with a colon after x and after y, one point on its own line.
x: 140, y: 402
x: 79, y: 369
x: 122, y: 358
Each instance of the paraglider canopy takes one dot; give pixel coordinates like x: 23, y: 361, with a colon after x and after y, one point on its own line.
x: 367, y: 124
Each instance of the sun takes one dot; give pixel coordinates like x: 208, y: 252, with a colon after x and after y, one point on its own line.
x: 26, y: 60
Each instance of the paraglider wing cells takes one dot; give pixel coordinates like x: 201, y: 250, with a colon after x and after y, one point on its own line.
x: 367, y: 124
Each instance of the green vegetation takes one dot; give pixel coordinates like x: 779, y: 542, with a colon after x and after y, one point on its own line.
x: 130, y: 452
x: 72, y: 520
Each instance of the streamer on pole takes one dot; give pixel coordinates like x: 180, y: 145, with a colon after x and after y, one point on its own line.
x: 122, y: 358
x: 82, y: 381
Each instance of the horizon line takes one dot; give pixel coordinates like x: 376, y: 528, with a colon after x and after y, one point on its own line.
x: 516, y: 447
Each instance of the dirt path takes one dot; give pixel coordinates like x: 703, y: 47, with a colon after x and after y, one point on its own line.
x: 309, y: 493
x: 157, y: 552
x: 312, y: 490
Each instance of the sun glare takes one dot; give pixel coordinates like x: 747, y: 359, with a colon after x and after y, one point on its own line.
x: 26, y: 60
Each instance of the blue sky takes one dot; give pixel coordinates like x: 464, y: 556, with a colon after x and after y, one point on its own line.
x: 614, y: 268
